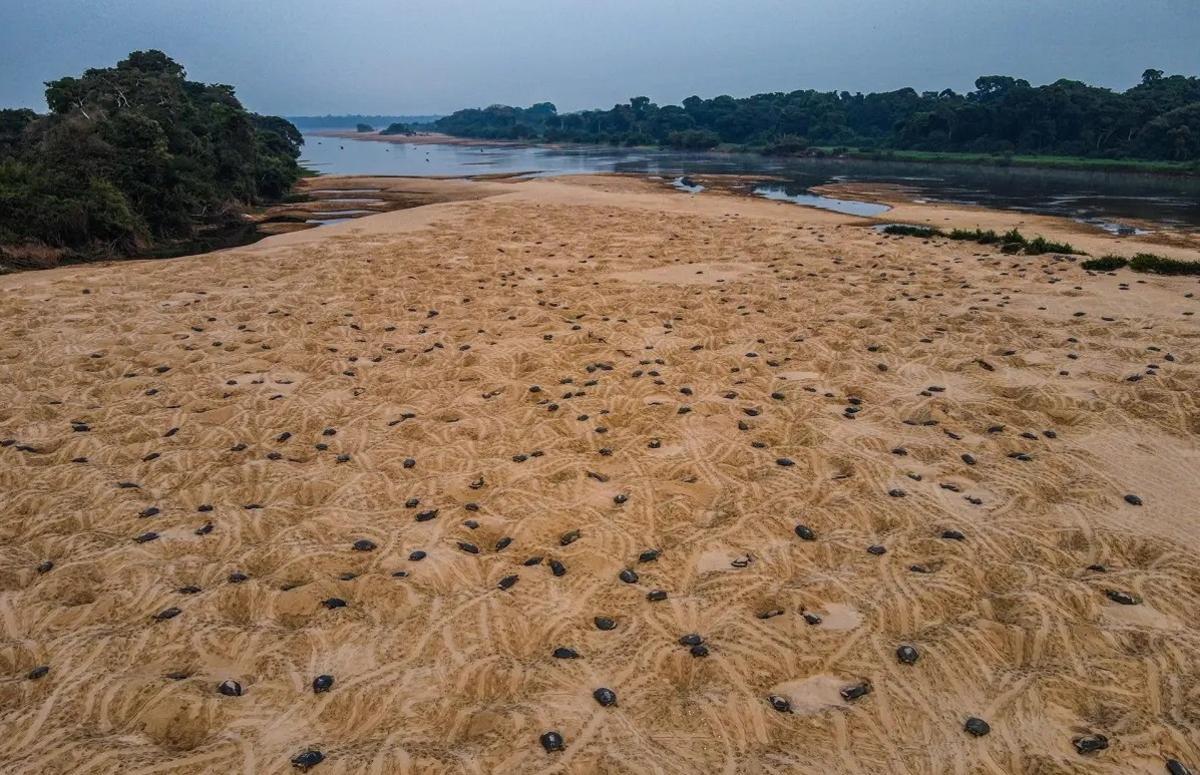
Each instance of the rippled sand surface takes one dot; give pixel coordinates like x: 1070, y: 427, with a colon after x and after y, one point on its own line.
x: 541, y: 387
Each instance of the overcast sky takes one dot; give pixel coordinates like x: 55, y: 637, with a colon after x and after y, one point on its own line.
x: 434, y: 56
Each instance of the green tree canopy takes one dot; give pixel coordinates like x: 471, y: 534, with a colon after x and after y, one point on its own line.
x: 1001, y: 115
x: 136, y: 154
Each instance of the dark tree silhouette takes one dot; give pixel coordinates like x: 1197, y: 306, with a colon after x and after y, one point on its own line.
x: 1001, y: 115
x: 134, y: 155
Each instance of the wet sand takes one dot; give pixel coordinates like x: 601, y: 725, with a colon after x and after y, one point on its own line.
x: 730, y: 455
x: 348, y: 197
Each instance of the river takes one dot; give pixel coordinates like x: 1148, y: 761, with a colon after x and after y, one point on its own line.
x: 1111, y: 200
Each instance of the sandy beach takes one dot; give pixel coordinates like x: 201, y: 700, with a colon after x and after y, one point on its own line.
x: 804, y: 497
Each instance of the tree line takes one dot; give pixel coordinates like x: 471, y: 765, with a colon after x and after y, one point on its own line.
x: 135, y: 156
x: 1159, y: 118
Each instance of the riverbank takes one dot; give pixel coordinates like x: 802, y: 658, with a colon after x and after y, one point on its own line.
x: 424, y: 138
x: 1084, y: 163
x: 794, y: 491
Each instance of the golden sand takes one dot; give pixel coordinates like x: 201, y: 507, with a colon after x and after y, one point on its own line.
x: 535, y: 354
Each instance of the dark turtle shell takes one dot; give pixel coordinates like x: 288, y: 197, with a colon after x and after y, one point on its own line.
x: 605, y: 697
x: 976, y: 726
x: 230, y: 688
x: 307, y: 759
x: 1088, y: 744
x: 855, y: 691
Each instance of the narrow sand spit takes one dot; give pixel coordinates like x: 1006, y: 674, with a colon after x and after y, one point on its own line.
x: 434, y: 454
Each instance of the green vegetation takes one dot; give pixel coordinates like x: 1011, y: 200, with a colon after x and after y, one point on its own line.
x: 1009, y: 242
x: 133, y: 157
x: 1039, y: 245
x: 398, y: 128
x: 689, y: 140
x: 1105, y: 263
x: 1004, y: 120
x: 1014, y: 242
x: 902, y: 230
x: 1143, y: 262
x: 988, y: 237
x: 364, y: 128
x: 1148, y: 262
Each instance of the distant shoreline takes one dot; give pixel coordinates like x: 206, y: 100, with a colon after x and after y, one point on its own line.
x: 1082, y: 163
x: 430, y: 138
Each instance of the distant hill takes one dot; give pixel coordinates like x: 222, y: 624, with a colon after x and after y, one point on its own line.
x: 350, y: 121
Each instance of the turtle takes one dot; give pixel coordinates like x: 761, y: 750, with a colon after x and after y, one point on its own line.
x: 307, y: 759
x: 552, y: 742
x: 605, y: 697
x: 976, y: 726
x: 230, y: 688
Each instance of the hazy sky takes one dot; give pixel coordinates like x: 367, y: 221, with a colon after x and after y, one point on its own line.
x: 418, y: 56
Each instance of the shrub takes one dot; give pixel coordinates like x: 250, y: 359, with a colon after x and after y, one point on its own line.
x: 1148, y: 262
x: 1039, y: 245
x: 1104, y: 263
x: 976, y: 235
x: 904, y: 230
x: 1013, y: 236
x: 1014, y: 242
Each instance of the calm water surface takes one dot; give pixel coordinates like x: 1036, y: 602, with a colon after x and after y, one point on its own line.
x: 1108, y: 200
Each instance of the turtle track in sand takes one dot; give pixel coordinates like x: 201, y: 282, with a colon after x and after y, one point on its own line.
x: 518, y: 366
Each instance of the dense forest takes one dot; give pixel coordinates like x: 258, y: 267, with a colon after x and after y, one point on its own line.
x: 1159, y: 118
x: 133, y: 157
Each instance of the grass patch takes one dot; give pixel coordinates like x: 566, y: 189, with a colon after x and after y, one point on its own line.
x: 1010, y: 241
x: 1147, y: 263
x: 988, y: 237
x: 1105, y: 263
x: 1152, y: 264
x: 912, y: 231
x: 1039, y: 245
